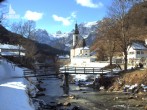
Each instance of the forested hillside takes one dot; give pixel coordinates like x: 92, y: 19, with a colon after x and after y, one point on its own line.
x: 34, y: 50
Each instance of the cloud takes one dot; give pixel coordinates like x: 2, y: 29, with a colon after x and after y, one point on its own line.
x: 65, y: 21
x: 89, y: 3
x: 74, y: 14
x: 11, y: 14
x: 30, y: 15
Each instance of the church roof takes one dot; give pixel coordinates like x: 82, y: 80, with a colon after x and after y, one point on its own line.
x: 76, y: 29
x: 80, y: 44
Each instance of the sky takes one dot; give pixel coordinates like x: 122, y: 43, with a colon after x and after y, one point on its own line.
x: 55, y: 15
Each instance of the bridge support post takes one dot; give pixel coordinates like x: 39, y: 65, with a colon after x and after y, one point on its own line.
x: 66, y: 80
x: 66, y: 84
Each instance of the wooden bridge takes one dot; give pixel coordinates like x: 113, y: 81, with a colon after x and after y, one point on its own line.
x: 65, y: 70
x: 40, y: 72
x: 83, y: 70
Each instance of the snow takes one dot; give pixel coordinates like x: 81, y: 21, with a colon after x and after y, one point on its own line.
x: 86, y: 47
x: 130, y: 87
x: 60, y: 35
x: 13, y: 96
x: 8, y: 46
x: 63, y: 57
x: 89, y: 24
x: 13, y: 89
x: 9, y: 70
x: 80, y: 77
x: 12, y: 53
x: 11, y: 50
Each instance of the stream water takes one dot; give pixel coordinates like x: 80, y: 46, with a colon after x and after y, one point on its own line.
x: 88, y: 98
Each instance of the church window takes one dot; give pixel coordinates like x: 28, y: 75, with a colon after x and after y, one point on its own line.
x: 80, y: 51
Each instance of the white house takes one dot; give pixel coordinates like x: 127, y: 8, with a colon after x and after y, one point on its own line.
x: 137, y: 52
x: 11, y: 50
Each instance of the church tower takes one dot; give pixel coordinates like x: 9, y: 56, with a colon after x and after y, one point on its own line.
x: 75, y: 35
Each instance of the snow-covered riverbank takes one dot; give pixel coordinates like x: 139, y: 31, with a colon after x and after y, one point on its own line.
x: 14, y: 88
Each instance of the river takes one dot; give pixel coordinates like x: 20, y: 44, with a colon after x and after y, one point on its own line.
x: 87, y: 98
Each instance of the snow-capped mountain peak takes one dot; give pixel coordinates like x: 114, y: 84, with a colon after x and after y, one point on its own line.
x: 90, y: 24
x: 64, y: 40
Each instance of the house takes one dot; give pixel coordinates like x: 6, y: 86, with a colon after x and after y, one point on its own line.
x: 137, y: 52
x: 11, y: 50
x: 79, y: 53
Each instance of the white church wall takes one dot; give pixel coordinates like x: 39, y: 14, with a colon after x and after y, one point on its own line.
x: 72, y: 53
x: 85, y: 62
x: 86, y: 52
x: 78, y: 52
x: 80, y: 61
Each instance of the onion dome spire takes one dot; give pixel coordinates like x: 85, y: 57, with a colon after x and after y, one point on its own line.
x: 76, y: 29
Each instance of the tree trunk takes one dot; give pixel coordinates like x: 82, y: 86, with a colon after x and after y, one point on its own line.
x: 126, y: 60
x: 110, y: 60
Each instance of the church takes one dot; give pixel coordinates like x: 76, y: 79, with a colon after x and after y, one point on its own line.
x: 79, y: 53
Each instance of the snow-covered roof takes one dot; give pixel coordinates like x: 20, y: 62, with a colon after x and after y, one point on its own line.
x: 86, y: 48
x: 8, y: 46
x: 62, y: 57
x: 138, y: 46
x: 12, y: 53
x: 81, y: 48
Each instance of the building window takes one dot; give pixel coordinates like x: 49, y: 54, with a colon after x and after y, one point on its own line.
x: 131, y: 53
x: 138, y: 52
x: 142, y: 52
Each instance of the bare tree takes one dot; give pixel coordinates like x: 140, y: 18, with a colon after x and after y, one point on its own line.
x: 118, y: 11
x: 29, y: 27
x: 24, y: 28
x: 107, y: 30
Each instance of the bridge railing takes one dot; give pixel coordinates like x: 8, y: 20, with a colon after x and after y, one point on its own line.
x: 39, y: 72
x: 83, y: 70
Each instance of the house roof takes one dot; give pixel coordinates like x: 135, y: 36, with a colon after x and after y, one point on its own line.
x: 8, y: 46
x: 138, y: 46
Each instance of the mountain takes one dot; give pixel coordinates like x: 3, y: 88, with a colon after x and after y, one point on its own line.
x: 34, y: 50
x: 88, y: 31
x: 63, y: 41
x: 41, y: 36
